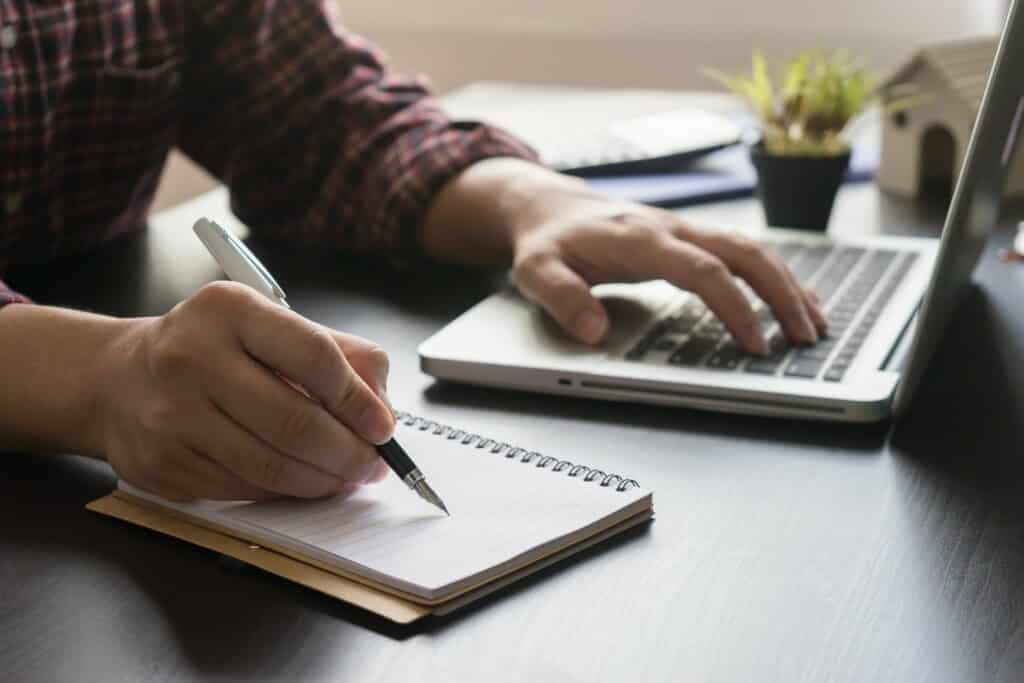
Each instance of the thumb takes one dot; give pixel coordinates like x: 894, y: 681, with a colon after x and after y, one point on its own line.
x: 565, y: 295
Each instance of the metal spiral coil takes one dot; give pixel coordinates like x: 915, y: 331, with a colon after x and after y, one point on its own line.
x: 574, y: 470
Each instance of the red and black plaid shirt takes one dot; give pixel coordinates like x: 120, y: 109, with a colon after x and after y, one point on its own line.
x: 316, y: 140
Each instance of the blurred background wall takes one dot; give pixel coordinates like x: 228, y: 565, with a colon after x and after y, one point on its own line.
x: 630, y: 43
x: 646, y: 43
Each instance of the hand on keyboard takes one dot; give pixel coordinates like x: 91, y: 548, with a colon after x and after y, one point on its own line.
x: 572, y: 241
x: 853, y: 284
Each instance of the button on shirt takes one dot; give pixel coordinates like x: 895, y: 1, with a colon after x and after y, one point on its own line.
x: 317, y: 140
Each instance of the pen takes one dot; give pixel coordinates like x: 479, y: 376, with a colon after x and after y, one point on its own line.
x: 241, y: 265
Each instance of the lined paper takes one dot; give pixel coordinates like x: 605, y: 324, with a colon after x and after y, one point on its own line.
x: 504, y: 513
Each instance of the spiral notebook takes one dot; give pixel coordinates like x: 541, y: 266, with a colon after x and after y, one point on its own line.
x: 513, y: 511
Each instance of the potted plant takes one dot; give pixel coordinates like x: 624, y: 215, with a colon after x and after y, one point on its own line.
x: 802, y: 156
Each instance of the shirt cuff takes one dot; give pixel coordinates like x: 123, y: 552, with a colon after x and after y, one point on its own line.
x: 416, y: 179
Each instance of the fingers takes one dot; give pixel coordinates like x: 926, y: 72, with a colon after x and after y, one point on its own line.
x: 547, y: 280
x: 814, y: 306
x: 193, y: 475
x: 690, y: 267
x: 205, y: 413
x: 290, y: 424
x: 380, y: 473
x: 368, y: 360
x: 262, y: 466
x: 772, y: 281
x: 309, y: 355
x: 813, y: 303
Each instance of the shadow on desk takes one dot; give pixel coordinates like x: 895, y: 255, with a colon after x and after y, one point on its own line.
x: 958, y: 474
x: 151, y: 593
x: 966, y: 424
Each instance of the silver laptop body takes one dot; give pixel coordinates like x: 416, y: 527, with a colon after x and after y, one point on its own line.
x: 880, y: 293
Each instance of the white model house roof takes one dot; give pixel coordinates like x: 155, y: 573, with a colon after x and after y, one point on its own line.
x: 963, y: 65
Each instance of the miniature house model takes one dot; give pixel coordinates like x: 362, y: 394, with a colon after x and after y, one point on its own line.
x: 923, y: 146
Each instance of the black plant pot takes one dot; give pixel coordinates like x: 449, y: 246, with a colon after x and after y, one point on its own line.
x: 798, y: 191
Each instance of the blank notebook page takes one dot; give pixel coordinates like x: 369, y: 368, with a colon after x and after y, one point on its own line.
x: 505, y: 514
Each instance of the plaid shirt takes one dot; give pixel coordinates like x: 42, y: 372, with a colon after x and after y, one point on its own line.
x: 316, y: 140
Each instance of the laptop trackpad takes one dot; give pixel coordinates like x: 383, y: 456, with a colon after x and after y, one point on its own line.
x: 631, y: 309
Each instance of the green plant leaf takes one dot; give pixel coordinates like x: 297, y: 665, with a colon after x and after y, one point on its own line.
x: 818, y: 95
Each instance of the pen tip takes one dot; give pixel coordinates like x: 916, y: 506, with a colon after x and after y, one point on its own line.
x: 427, y: 493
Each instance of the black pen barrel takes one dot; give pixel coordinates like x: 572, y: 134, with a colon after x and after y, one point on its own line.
x: 396, y: 458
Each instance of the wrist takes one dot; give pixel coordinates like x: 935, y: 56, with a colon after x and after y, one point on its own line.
x: 52, y: 387
x: 115, y: 351
x: 481, y: 214
x: 527, y: 199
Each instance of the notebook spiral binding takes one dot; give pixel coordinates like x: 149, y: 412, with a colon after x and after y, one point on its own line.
x: 588, y: 474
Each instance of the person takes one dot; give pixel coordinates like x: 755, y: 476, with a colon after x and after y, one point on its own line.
x: 320, y: 144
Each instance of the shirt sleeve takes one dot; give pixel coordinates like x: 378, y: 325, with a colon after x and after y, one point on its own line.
x: 318, y: 142
x: 9, y: 296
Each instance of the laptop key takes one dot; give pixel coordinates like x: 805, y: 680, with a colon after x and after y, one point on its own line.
x: 636, y: 353
x: 683, y: 323
x: 710, y: 334
x: 664, y: 344
x: 805, y: 368
x: 726, y: 358
x: 817, y: 352
x: 763, y: 366
x: 837, y: 272
x: 691, y: 352
x: 809, y: 262
x: 834, y: 374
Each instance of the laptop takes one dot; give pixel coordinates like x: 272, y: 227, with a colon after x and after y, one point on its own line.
x: 888, y: 299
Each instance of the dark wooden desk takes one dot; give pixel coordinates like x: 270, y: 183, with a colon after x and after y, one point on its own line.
x: 782, y: 551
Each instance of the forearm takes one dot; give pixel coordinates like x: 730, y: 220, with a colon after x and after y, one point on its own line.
x: 50, y: 377
x: 475, y: 217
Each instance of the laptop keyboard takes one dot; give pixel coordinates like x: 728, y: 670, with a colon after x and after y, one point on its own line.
x: 853, y: 284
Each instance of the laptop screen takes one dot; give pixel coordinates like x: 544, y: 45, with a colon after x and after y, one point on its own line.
x: 974, y: 210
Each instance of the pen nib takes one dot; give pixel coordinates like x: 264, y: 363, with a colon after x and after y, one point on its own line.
x: 427, y: 494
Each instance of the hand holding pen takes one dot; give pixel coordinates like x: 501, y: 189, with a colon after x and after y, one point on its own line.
x: 241, y: 265
x: 190, y: 404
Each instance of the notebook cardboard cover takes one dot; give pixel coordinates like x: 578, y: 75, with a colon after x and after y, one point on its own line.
x: 384, y: 604
x: 390, y: 607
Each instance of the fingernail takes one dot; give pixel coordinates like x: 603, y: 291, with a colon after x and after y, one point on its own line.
x: 381, y: 377
x: 759, y: 343
x: 590, y: 326
x: 376, y: 425
x: 381, y: 388
x: 810, y: 334
x: 387, y: 401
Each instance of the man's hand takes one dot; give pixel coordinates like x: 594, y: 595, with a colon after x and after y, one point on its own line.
x: 201, y: 402
x: 583, y: 241
x: 562, y: 239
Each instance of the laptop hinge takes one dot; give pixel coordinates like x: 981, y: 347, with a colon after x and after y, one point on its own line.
x: 897, y: 357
